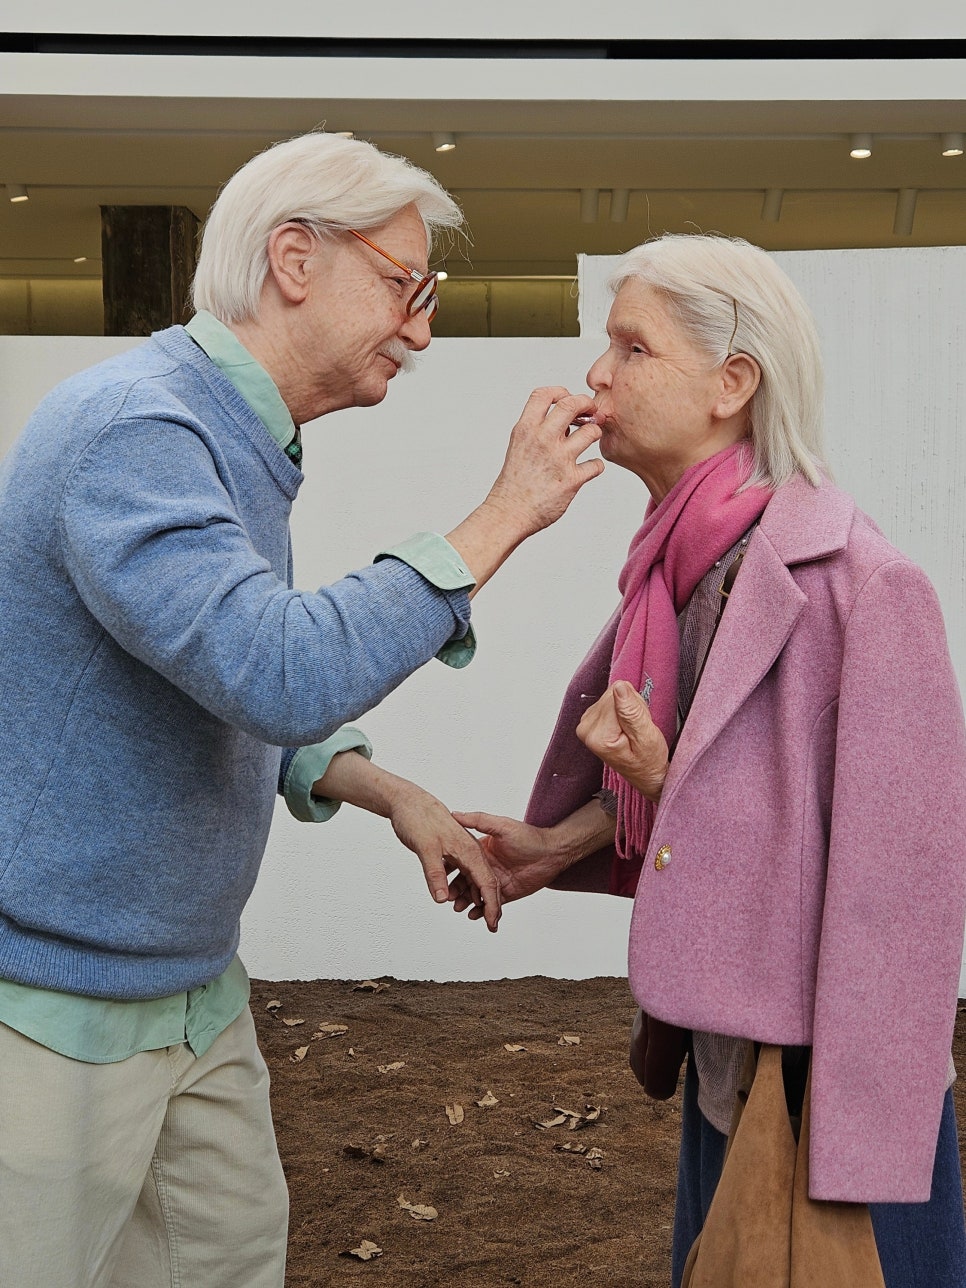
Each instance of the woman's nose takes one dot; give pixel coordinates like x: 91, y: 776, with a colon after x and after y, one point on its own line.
x: 598, y: 376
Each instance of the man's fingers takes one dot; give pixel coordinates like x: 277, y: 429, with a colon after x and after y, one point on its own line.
x: 481, y: 882
x: 434, y: 870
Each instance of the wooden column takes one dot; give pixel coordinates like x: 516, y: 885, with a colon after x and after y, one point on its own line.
x: 149, y: 257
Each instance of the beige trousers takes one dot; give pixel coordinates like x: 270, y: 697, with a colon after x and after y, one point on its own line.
x: 160, y: 1171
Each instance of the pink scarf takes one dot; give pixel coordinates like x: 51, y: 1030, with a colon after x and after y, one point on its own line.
x: 679, y: 541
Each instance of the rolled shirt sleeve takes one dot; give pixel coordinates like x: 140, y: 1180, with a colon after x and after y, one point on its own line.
x: 305, y: 766
x: 434, y: 558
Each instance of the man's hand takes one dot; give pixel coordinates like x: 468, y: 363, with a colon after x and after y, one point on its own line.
x: 425, y: 826
x: 541, y: 475
x: 618, y: 728
x: 422, y: 823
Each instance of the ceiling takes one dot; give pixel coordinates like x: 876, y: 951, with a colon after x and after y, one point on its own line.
x: 518, y: 169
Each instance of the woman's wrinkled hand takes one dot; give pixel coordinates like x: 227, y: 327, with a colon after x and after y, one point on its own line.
x: 618, y: 728
x: 521, y: 857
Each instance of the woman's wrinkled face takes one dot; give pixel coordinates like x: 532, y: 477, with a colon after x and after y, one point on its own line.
x: 656, y: 392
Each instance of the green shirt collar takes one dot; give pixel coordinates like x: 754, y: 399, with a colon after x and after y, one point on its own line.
x: 250, y: 379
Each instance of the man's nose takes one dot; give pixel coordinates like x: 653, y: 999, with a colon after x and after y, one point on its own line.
x: 416, y: 332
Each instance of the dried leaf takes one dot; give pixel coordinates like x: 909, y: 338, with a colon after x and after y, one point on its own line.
x: 292, y: 1023
x: 419, y: 1144
x: 418, y: 1211
x: 576, y: 1121
x: 570, y: 1147
x: 500, y: 1175
x: 510, y: 1046
x: 329, y: 1030
x: 568, y: 1039
x: 550, y: 1122
x: 351, y: 1051
x: 391, y: 1068
x: 366, y: 1251
x: 488, y: 1101
x: 298, y: 1055
x: 371, y: 986
x: 595, y: 1157
x: 274, y: 1005
x: 455, y: 1114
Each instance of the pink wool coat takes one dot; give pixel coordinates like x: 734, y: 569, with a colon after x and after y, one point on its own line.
x: 810, y: 883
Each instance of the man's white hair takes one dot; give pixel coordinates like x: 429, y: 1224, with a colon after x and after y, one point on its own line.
x: 327, y: 182
x: 708, y: 280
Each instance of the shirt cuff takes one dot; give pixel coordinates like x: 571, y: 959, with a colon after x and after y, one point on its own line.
x: 309, y: 764
x: 434, y: 558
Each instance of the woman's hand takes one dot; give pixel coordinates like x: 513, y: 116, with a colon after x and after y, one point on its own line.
x: 520, y: 856
x: 524, y: 858
x: 618, y: 728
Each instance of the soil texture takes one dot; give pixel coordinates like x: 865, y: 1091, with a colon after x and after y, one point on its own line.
x: 478, y: 1134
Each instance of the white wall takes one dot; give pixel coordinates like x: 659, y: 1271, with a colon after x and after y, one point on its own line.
x: 344, y: 900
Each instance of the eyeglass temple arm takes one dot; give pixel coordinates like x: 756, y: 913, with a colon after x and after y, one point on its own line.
x: 413, y: 272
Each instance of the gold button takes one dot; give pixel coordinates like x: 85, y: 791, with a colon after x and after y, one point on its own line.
x: 662, y: 858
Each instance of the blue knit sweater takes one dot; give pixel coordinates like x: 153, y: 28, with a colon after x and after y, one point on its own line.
x: 155, y: 661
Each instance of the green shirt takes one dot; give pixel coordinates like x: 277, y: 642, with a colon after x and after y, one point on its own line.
x: 100, y: 1031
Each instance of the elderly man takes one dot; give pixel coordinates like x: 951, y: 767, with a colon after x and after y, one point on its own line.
x: 157, y: 662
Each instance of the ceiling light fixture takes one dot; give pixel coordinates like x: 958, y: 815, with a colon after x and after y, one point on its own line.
x: 771, y: 206
x: 589, y: 205
x: 443, y: 141
x: 442, y: 275
x: 952, y: 144
x: 861, y: 146
x: 17, y: 192
x: 619, y: 201
x: 905, y: 212
x: 80, y: 259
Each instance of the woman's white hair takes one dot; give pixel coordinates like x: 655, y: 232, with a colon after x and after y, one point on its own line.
x: 731, y: 297
x: 322, y: 180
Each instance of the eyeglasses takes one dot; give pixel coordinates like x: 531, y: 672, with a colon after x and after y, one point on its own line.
x: 424, y: 297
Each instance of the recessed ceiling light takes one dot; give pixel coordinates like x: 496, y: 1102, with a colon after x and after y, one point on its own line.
x: 861, y: 146
x: 17, y: 192
x: 952, y: 145
x: 443, y: 141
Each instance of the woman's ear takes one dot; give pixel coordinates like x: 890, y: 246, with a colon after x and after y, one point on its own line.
x: 740, y: 377
x: 290, y: 247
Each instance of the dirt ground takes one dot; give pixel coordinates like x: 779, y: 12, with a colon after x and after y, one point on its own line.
x: 382, y: 1108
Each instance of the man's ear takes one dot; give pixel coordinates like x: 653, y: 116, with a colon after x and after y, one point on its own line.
x: 290, y: 247
x: 740, y: 377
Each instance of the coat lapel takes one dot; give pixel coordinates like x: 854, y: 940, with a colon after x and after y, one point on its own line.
x: 800, y: 524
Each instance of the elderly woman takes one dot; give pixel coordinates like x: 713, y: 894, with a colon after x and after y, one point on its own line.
x: 787, y: 807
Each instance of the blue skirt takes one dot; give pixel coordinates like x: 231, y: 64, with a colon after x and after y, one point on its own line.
x: 921, y: 1245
